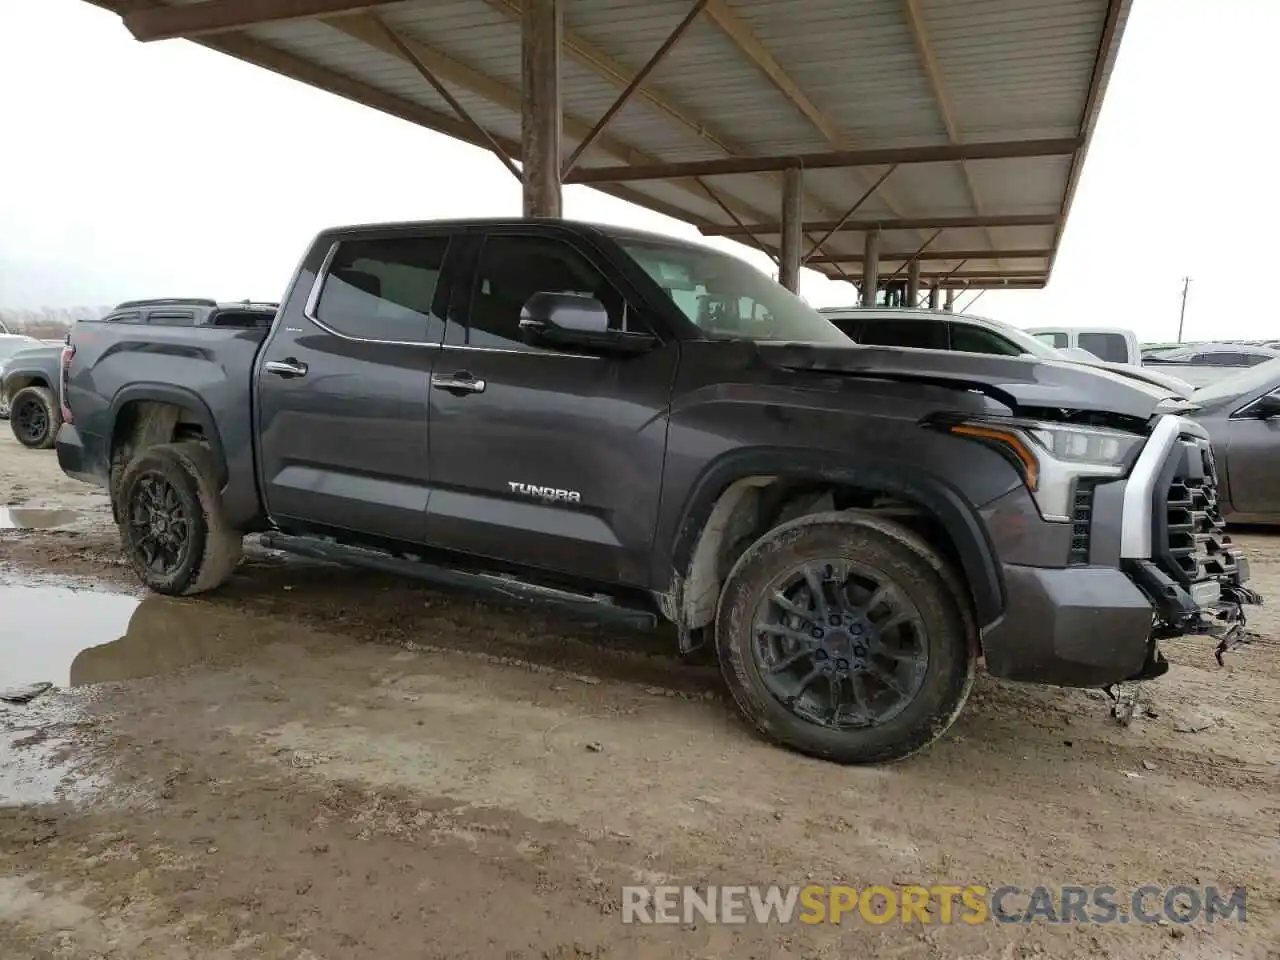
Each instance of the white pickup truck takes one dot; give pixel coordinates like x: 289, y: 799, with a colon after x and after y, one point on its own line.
x: 1113, y: 344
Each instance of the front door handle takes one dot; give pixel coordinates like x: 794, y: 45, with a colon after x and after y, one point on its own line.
x: 287, y: 368
x: 458, y: 384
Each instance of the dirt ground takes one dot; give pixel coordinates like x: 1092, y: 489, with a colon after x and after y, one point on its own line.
x: 314, y: 764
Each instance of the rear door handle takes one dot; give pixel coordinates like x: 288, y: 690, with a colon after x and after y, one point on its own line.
x: 458, y: 383
x: 287, y: 368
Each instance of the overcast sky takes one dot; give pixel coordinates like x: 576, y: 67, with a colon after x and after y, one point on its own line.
x: 165, y: 169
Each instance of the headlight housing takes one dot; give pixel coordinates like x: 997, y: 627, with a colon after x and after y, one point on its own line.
x: 1051, y: 456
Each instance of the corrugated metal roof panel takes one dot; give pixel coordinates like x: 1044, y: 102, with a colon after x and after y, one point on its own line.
x: 1008, y: 69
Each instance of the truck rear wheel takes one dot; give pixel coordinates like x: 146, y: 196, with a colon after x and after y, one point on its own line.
x: 34, y: 417
x: 171, y: 523
x: 842, y: 638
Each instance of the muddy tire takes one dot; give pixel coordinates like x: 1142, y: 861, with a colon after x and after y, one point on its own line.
x: 842, y: 636
x: 172, y: 527
x: 34, y: 417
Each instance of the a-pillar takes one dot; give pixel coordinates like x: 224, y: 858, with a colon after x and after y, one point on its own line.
x: 951, y: 299
x: 792, y: 228
x: 540, y: 112
x: 913, y: 283
x: 871, y: 268
x: 935, y: 297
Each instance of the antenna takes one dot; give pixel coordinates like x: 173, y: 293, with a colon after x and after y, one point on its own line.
x: 1182, y: 314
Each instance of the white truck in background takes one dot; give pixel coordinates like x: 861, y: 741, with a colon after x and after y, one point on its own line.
x: 1112, y: 344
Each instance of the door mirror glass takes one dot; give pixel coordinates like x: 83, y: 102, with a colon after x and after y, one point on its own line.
x: 576, y: 320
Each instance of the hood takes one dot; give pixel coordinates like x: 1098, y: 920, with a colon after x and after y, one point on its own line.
x: 1017, y: 382
x: 1172, y: 385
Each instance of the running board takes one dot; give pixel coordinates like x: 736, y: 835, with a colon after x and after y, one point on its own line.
x: 593, y: 607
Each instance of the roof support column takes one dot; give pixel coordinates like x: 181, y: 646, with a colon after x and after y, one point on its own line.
x: 540, y: 113
x: 913, y: 283
x: 792, y: 228
x: 871, y: 268
x: 935, y: 297
x: 951, y: 299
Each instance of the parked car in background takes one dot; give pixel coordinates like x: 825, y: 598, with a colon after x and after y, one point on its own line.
x: 11, y: 343
x: 1204, y: 363
x: 29, y: 379
x: 1113, y: 344
x: 942, y: 330
x: 643, y: 427
x: 193, y: 312
x: 28, y: 385
x: 1242, y: 414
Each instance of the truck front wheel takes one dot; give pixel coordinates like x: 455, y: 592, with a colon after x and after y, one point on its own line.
x: 842, y: 637
x: 171, y: 523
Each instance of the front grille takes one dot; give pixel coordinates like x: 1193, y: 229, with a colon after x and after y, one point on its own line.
x: 1081, y: 517
x: 1195, y: 545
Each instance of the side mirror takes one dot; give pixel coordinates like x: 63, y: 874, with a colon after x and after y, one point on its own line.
x: 1266, y: 407
x: 576, y: 320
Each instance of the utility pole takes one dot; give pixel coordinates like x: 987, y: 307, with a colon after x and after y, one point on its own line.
x: 1182, y: 314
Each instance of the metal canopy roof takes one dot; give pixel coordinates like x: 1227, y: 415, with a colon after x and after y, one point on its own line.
x: 956, y: 127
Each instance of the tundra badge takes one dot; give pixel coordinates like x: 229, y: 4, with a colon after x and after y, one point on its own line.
x: 545, y: 493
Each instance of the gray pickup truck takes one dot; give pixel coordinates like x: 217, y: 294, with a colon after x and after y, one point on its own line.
x: 29, y: 378
x: 28, y: 393
x: 654, y: 429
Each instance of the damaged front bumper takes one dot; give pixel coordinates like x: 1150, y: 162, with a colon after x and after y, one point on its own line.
x: 1156, y: 563
x: 1174, y: 543
x: 1212, y: 607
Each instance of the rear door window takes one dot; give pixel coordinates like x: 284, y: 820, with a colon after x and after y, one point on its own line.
x: 851, y: 327
x: 1112, y: 347
x: 921, y: 334
x: 385, y: 289
x: 970, y: 339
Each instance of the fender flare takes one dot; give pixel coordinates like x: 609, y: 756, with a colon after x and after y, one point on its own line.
x: 944, y: 501
x: 189, y: 400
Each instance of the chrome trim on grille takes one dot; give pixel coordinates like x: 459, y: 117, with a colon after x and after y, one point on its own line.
x: 1135, y: 524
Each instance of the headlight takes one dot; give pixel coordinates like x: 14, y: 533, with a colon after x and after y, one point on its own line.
x: 1052, y: 456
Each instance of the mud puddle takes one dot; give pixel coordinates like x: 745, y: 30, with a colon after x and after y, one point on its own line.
x: 36, y: 518
x: 73, y: 637
x: 43, y: 630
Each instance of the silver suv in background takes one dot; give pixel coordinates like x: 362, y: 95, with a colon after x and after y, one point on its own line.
x: 966, y: 333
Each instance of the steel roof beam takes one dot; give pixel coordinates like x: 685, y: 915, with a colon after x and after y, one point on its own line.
x: 936, y: 255
x: 370, y: 31
x: 941, y: 96
x: 270, y: 58
x: 946, y: 153
x: 212, y: 17
x: 754, y: 49
x: 835, y: 227
x: 913, y: 223
x: 745, y: 39
x: 994, y: 276
x: 634, y: 84
x: 484, y: 135
x: 913, y: 258
x: 610, y: 70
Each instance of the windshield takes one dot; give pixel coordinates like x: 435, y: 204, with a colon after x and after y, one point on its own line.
x: 727, y: 297
x: 1238, y: 384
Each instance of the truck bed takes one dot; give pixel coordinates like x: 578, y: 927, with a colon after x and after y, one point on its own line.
x: 206, y: 371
